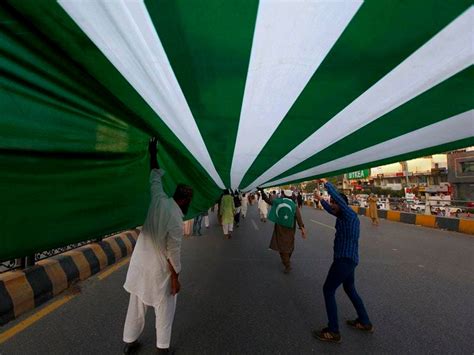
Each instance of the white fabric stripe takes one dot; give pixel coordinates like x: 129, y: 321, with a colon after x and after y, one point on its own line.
x: 291, y: 40
x: 446, y: 54
x: 124, y: 32
x: 452, y: 129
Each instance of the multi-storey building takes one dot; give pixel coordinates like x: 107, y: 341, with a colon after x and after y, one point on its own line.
x: 461, y: 174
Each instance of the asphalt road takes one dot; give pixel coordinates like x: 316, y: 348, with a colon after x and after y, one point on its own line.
x: 417, y: 284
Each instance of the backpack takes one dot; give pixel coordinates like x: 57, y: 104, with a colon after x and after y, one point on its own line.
x: 283, y: 212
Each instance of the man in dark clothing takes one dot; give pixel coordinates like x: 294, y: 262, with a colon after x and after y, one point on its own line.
x: 238, y: 206
x: 299, y: 199
x: 197, y: 224
x: 273, y: 195
x: 283, y: 238
x: 346, y: 258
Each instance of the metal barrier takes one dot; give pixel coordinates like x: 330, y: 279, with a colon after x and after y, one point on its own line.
x: 30, y: 260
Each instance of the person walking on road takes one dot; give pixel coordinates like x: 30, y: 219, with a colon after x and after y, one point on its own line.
x: 342, y: 270
x: 153, y: 275
x: 273, y: 195
x: 206, y: 219
x: 243, y: 208
x: 299, y: 199
x: 373, y: 214
x: 238, y: 205
x: 262, y: 207
x: 197, y: 225
x: 285, y: 215
x: 188, y: 227
x: 227, y: 211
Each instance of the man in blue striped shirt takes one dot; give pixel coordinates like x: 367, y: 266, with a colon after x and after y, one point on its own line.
x: 346, y: 258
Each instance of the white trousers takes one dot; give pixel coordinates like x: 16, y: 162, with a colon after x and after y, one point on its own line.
x: 206, y: 221
x: 135, y: 321
x: 228, y: 227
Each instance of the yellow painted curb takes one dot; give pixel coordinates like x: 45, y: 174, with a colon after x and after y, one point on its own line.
x: 81, y: 263
x: 425, y: 220
x: 4, y: 336
x: 393, y: 216
x: 56, y: 274
x: 16, y: 284
x: 99, y: 253
x: 115, y: 248
x: 466, y: 226
x: 127, y: 242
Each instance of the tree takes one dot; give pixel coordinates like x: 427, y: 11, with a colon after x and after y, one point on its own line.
x: 311, y: 186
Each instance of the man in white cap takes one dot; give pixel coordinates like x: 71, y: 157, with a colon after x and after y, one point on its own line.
x: 285, y: 215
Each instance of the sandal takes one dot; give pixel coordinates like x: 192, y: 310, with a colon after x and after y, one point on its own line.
x: 357, y: 324
x: 328, y: 336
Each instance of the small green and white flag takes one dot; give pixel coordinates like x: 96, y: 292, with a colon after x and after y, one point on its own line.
x: 283, y: 212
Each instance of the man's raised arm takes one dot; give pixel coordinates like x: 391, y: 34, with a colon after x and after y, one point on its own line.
x: 336, y: 196
x: 323, y: 202
x: 264, y: 196
x: 153, y: 150
x: 156, y: 173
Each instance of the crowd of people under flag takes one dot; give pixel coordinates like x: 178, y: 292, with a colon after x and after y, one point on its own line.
x: 153, y: 275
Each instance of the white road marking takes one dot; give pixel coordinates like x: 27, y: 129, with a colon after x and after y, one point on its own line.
x: 325, y: 225
x: 395, y: 249
x: 255, y: 225
x: 421, y: 265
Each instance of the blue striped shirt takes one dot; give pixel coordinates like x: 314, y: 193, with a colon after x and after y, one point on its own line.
x: 346, y: 242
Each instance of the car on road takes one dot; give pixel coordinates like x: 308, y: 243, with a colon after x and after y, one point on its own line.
x: 418, y: 206
x: 383, y: 203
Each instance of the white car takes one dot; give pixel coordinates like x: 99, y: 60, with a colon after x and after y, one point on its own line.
x: 418, y: 207
x: 382, y: 204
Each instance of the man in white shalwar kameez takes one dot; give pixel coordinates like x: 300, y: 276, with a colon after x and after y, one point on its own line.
x: 263, y: 209
x: 152, y: 278
x: 244, y: 206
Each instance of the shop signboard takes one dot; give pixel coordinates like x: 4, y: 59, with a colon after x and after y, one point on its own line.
x: 359, y: 174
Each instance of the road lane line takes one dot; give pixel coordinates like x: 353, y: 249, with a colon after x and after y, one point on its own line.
x: 325, y: 225
x: 113, y: 268
x: 34, y: 318
x: 255, y: 225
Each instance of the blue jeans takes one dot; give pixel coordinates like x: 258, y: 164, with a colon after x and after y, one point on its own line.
x: 342, y: 272
x: 197, y: 225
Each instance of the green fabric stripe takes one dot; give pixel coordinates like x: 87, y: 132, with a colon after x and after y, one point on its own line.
x: 379, y: 37
x: 445, y: 100
x: 208, y: 45
x: 467, y: 142
x: 73, y: 137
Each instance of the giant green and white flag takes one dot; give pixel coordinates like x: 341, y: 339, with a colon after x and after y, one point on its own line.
x: 241, y: 93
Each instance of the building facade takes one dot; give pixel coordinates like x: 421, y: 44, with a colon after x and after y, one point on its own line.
x: 461, y: 174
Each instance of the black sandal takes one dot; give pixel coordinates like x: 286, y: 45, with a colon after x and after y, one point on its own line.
x: 357, y: 324
x: 328, y: 336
